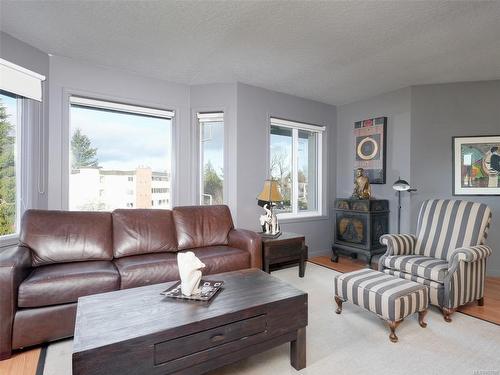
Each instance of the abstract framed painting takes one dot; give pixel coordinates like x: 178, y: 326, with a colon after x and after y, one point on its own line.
x: 476, y: 165
x: 370, y: 137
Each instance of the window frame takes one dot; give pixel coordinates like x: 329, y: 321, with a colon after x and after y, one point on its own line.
x: 296, y: 126
x: 27, y: 115
x: 116, y: 104
x: 211, y: 116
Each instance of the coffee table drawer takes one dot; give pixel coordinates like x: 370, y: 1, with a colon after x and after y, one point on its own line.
x: 187, y: 345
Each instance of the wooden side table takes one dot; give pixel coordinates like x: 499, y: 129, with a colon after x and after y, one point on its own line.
x: 287, y: 248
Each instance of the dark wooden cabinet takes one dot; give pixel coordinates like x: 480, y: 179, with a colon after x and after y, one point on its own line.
x: 359, y: 223
x: 287, y: 248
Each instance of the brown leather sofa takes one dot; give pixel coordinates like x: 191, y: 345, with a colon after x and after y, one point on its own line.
x: 65, y: 255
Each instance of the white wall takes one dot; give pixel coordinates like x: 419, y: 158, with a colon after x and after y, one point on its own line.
x: 68, y: 76
x: 396, y: 106
x: 255, y: 106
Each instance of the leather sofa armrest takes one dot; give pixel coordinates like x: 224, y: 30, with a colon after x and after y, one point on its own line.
x: 249, y: 241
x: 15, y: 266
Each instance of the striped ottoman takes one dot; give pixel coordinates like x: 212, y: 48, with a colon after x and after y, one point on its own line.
x: 391, y: 298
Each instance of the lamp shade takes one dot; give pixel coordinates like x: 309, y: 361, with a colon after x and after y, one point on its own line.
x: 401, y: 185
x: 270, y: 192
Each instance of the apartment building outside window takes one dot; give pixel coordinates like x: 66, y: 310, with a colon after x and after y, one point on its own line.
x: 120, y: 156
x: 211, y: 164
x: 295, y: 162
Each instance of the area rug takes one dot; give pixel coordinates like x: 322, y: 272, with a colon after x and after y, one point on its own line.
x: 356, y: 342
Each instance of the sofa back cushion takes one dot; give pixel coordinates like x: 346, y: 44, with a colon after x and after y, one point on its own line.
x: 65, y: 236
x: 444, y: 225
x: 199, y: 226
x: 143, y: 231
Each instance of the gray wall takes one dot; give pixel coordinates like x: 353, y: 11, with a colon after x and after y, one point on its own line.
x: 421, y: 123
x: 20, y: 53
x: 396, y: 106
x: 255, y: 106
x: 438, y: 113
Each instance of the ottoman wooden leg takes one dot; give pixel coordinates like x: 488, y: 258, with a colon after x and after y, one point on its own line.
x: 339, y: 304
x: 447, y: 314
x: 421, y: 316
x: 393, y: 325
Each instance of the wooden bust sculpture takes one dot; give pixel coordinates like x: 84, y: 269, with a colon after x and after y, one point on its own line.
x: 362, y: 188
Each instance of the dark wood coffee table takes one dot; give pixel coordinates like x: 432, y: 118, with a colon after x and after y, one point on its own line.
x: 138, y: 331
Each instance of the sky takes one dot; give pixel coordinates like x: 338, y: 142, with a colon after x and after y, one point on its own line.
x: 280, y: 143
x: 213, y: 145
x: 126, y: 141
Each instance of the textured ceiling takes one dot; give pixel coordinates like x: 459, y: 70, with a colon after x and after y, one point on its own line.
x: 333, y: 52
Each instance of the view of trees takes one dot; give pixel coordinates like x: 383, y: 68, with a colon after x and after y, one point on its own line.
x: 7, y: 174
x: 213, y: 185
x: 83, y: 154
x: 281, y: 171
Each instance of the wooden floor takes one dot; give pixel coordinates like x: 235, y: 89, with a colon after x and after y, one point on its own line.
x: 489, y: 312
x: 25, y: 363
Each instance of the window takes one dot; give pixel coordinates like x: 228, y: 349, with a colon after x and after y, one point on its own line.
x: 295, y: 158
x: 211, y: 135
x: 114, y: 147
x: 9, y: 164
x: 20, y: 90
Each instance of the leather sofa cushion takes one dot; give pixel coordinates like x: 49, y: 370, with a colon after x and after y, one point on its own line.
x: 43, y: 324
x: 143, y: 231
x: 63, y: 236
x: 64, y: 283
x: 158, y: 268
x: 199, y: 226
x: 140, y: 270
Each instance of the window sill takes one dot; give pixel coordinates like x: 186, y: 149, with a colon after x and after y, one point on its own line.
x: 9, y: 240
x: 299, y: 218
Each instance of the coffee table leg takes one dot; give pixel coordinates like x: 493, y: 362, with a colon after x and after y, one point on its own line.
x: 266, y: 266
x: 302, y: 266
x: 298, y: 350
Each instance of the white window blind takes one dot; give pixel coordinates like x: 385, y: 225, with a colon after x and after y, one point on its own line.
x: 296, y: 125
x: 20, y: 81
x: 120, y: 107
x: 211, y: 117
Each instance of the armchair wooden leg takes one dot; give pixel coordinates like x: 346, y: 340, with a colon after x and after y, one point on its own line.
x: 480, y: 301
x: 447, y: 313
x: 339, y: 304
x: 393, y: 325
x: 421, y: 316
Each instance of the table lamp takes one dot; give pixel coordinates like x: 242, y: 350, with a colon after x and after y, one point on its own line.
x: 401, y: 185
x: 270, y: 194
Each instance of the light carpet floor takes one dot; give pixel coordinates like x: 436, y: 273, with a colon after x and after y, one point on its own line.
x: 356, y: 342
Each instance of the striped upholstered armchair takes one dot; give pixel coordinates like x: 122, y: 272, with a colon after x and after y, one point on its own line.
x: 448, y: 254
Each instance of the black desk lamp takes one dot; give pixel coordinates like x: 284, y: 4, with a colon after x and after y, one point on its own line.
x: 401, y: 185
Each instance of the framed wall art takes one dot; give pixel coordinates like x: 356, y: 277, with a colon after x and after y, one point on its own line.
x: 476, y: 165
x: 370, y: 138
